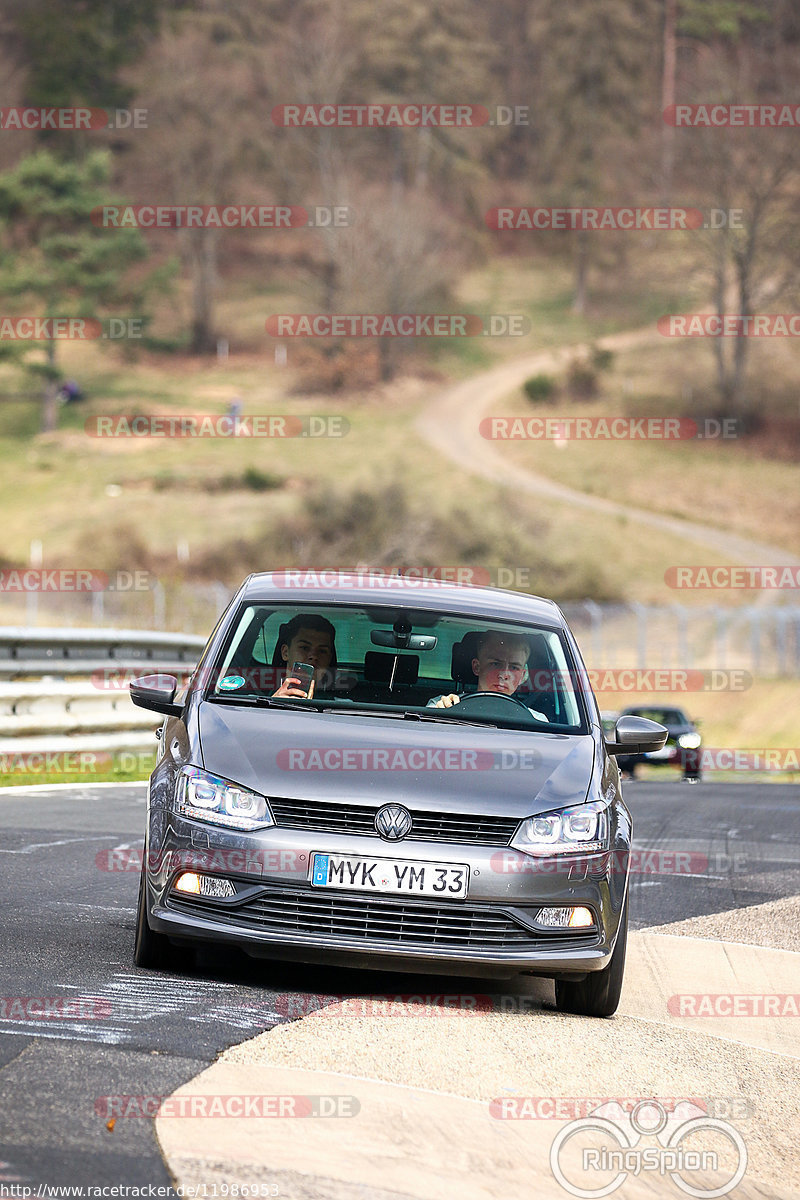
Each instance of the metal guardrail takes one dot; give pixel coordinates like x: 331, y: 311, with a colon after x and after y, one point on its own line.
x: 43, y: 703
x: 36, y: 652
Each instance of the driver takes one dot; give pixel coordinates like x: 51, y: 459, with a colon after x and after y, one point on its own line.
x: 500, y: 664
x: 308, y: 638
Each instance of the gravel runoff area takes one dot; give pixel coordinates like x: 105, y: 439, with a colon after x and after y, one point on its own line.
x: 524, y: 1048
x: 544, y: 1053
x: 775, y: 924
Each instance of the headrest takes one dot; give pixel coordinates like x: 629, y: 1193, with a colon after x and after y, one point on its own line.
x: 461, y: 658
x: 378, y: 668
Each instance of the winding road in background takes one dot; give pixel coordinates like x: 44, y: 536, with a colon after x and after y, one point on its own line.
x: 451, y: 425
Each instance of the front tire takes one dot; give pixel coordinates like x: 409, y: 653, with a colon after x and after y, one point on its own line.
x: 151, y: 950
x: 598, y: 994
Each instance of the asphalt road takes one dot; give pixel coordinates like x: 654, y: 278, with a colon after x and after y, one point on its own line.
x: 67, y: 931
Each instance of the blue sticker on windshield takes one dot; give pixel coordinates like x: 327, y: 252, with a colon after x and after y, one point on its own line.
x: 230, y: 683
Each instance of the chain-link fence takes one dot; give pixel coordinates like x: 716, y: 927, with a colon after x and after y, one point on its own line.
x: 763, y: 639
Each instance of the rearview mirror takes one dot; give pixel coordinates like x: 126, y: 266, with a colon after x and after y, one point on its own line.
x: 636, y: 735
x: 156, y: 692
x: 402, y: 640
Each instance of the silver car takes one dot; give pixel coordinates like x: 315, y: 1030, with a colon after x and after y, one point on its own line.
x: 391, y: 773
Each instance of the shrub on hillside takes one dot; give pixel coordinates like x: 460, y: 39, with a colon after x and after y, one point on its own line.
x: 541, y: 389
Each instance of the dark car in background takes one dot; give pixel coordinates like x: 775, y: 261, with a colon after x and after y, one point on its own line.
x: 362, y: 826
x: 681, y: 749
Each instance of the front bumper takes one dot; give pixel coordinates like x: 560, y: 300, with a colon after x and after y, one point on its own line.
x: 493, y: 931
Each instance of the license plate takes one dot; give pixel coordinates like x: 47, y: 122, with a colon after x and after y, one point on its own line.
x: 397, y: 876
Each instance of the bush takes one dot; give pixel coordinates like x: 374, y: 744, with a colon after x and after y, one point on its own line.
x: 581, y: 380
x: 540, y: 388
x: 602, y: 359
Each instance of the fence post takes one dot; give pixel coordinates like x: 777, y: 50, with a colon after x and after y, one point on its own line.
x: 721, y: 622
x: 682, y: 621
x: 596, y: 618
x: 641, y: 633
x: 756, y: 624
x: 159, y: 605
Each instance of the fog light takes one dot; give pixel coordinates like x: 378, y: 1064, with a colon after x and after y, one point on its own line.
x: 581, y: 918
x: 565, y: 918
x: 210, y: 886
x: 188, y: 882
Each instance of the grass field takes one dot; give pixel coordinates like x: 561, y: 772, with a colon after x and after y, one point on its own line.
x: 377, y: 494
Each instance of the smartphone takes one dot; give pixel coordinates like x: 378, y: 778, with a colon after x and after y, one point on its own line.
x: 304, y: 672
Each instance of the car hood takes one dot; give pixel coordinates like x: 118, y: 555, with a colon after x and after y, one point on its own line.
x: 439, y: 767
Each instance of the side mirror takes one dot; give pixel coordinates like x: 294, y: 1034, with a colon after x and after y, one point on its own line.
x: 156, y: 692
x: 636, y: 735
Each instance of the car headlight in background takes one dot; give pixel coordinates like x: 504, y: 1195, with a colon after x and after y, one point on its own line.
x: 689, y: 741
x: 206, y: 797
x: 579, y: 830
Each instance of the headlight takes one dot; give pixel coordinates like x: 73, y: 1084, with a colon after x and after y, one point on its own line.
x: 689, y: 741
x: 207, y: 798
x: 582, y: 829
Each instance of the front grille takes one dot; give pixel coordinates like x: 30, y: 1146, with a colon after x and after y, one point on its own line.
x: 335, y: 817
x: 297, y: 913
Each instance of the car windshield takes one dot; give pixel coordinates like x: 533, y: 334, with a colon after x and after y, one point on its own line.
x: 402, y: 662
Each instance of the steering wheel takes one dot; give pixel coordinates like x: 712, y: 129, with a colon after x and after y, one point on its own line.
x: 494, y: 696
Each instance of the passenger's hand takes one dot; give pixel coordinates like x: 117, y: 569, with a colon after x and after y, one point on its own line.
x: 291, y: 688
x: 447, y: 701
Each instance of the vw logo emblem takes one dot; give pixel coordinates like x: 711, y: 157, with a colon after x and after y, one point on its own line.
x: 393, y: 822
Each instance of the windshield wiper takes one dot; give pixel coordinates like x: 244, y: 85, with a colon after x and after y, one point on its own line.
x: 253, y: 701
x: 405, y: 716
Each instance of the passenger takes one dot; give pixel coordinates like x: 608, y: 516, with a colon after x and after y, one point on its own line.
x: 307, y: 638
x: 500, y: 664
